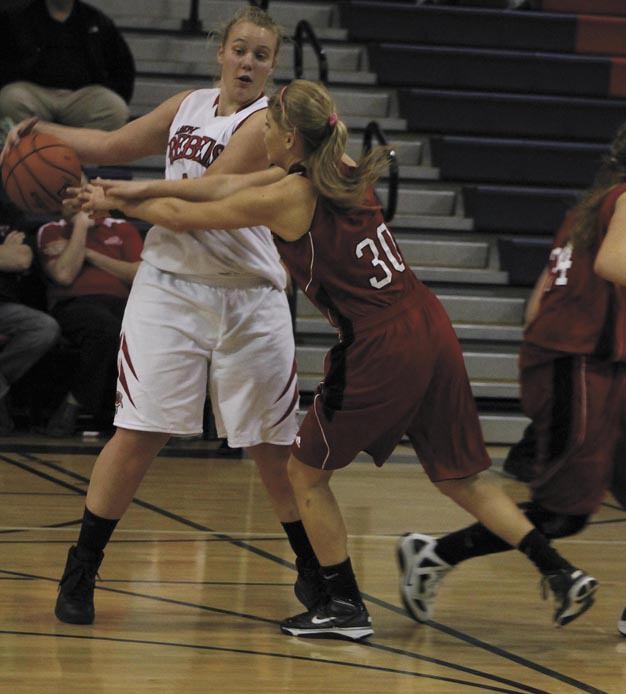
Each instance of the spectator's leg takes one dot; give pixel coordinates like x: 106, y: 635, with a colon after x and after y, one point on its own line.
x: 94, y: 107
x: 93, y: 325
x: 20, y: 100
x: 32, y: 333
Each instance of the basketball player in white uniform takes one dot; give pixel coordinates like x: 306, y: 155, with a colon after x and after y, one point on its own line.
x: 204, y: 304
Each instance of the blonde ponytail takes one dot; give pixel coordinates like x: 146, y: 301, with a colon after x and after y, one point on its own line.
x: 308, y: 108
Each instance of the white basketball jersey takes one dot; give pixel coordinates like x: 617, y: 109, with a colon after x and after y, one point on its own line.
x: 197, y: 137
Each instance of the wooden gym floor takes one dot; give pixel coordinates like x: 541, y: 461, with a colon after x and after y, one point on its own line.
x: 198, y: 574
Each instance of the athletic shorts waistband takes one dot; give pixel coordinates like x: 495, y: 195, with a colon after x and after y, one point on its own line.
x: 412, y: 300
x: 225, y: 281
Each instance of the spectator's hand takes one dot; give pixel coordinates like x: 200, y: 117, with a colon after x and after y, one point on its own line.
x: 22, y: 128
x: 55, y: 248
x: 71, y: 202
x: 82, y: 219
x: 15, y: 238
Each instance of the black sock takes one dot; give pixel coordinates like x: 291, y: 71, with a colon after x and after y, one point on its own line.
x: 299, y: 541
x: 95, y: 532
x: 477, y: 541
x: 473, y: 541
x: 340, y: 581
x: 535, y: 546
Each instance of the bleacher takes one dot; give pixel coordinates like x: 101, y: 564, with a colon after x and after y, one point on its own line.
x: 499, y: 119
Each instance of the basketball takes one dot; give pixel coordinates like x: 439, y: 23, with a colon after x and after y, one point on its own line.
x: 36, y: 172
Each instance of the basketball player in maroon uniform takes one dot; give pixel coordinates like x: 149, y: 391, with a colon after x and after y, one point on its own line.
x: 397, y: 367
x: 573, y: 377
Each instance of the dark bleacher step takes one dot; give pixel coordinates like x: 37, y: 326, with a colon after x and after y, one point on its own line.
x: 523, y: 259
x: 490, y: 70
x: 214, y: 14
x: 502, y: 428
x: 516, y: 209
x: 459, y: 26
x: 368, y: 104
x: 511, y: 115
x: 603, y: 7
x: 516, y: 161
x: 166, y: 54
x: 485, y: 306
x: 493, y: 374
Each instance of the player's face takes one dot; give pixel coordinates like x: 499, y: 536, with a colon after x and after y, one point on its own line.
x: 247, y: 59
x: 274, y: 138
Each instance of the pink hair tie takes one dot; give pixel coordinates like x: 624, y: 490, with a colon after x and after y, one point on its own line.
x: 332, y: 119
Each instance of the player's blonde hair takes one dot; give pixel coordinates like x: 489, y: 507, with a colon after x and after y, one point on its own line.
x: 255, y: 15
x: 308, y: 108
x: 612, y: 172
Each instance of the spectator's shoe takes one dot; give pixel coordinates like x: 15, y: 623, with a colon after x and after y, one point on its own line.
x: 75, y: 600
x: 309, y: 586
x: 63, y: 421
x: 335, y: 618
x: 7, y: 426
x: 621, y: 623
x: 573, y: 593
x: 421, y: 573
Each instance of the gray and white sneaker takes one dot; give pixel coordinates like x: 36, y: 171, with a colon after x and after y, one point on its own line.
x: 421, y: 573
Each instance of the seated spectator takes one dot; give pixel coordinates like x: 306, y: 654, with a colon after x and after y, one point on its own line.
x: 91, y: 265
x: 26, y: 334
x: 66, y: 62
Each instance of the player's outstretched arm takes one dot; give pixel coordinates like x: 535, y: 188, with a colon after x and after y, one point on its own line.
x: 286, y: 207
x: 203, y: 189
x: 610, y: 261
x: 138, y: 138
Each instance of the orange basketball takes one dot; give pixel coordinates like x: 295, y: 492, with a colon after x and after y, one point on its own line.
x: 36, y: 172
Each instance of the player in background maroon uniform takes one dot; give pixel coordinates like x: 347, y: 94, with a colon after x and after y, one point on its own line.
x: 397, y: 367
x: 572, y: 373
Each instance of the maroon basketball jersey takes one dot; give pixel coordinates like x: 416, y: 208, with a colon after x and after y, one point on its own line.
x: 348, y: 264
x: 580, y: 312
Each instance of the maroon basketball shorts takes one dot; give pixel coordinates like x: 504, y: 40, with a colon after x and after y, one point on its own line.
x: 577, y: 407
x: 405, y: 374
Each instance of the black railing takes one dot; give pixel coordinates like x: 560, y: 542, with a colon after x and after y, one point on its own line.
x: 305, y: 30
x: 373, y: 130
x: 193, y: 23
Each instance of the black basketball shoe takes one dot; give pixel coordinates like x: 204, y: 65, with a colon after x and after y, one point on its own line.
x: 75, y: 600
x: 309, y: 586
x: 336, y: 618
x: 573, y: 593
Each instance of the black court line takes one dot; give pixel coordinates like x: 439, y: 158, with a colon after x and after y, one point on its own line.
x: 134, y: 541
x: 615, y: 507
x: 265, y: 620
x: 611, y: 521
x: 169, y: 451
x: 35, y: 494
x: 495, y: 650
x: 155, y: 598
x: 63, y: 524
x: 269, y: 654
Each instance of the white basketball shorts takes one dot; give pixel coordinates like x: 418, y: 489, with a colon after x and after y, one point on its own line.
x: 178, y: 334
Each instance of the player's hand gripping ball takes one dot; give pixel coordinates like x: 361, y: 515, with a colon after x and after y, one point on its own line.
x: 37, y: 170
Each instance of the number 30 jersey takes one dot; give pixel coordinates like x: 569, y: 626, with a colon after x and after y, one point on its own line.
x: 349, y: 264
